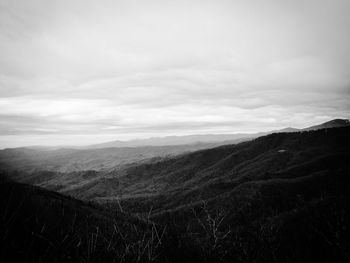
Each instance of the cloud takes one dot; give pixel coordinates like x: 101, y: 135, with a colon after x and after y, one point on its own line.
x: 137, y: 68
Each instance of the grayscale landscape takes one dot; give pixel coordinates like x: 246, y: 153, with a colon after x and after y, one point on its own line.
x: 174, y: 131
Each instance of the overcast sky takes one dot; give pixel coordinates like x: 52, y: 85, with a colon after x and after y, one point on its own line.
x: 81, y: 72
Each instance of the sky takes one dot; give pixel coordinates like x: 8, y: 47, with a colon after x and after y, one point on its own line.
x: 81, y: 72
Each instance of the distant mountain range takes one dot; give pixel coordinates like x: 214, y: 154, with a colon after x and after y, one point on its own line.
x: 211, y: 138
x: 106, y: 156
x: 205, y: 140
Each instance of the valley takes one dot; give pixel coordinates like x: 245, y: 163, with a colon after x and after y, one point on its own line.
x: 276, y: 198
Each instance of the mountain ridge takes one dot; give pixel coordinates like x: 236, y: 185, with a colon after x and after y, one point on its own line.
x: 189, y: 139
x: 212, y: 138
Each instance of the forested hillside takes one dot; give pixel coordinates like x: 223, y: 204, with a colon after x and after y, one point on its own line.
x: 279, y: 198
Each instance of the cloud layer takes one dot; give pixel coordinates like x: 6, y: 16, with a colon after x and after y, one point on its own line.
x: 88, y: 71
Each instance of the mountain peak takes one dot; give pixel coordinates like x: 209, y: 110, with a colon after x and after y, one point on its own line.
x: 330, y: 124
x: 343, y: 122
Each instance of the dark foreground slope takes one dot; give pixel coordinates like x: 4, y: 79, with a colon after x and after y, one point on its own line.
x: 42, y: 226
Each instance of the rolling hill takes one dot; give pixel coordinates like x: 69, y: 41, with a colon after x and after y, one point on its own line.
x: 282, y: 197
x: 330, y: 124
x: 72, y: 160
x: 38, y: 225
x: 204, y: 173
